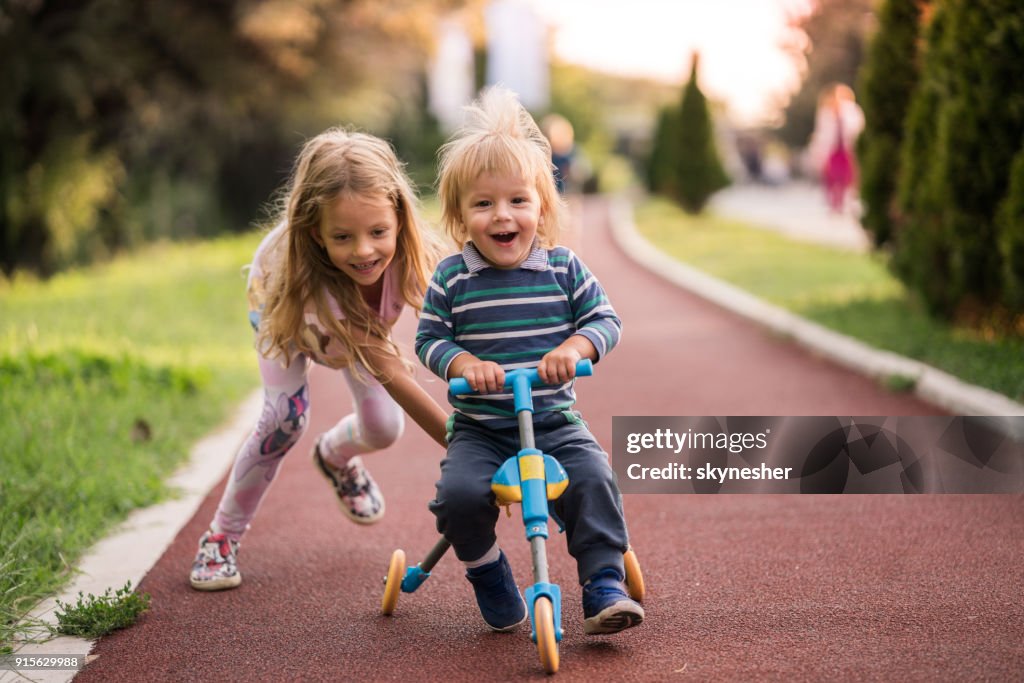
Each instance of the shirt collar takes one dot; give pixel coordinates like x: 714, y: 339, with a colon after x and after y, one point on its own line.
x: 537, y: 260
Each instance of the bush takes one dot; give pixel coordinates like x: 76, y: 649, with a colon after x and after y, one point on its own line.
x: 1011, y: 236
x: 964, y: 126
x: 92, y: 617
x: 887, y: 81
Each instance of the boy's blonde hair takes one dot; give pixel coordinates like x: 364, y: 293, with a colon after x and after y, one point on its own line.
x: 333, y: 164
x: 498, y: 136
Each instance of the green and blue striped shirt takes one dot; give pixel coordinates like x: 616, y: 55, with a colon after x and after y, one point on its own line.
x: 512, y: 317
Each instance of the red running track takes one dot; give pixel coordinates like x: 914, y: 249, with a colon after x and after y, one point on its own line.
x: 740, y: 587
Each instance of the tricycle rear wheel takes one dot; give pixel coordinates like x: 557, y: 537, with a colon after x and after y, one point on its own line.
x: 393, y: 582
x: 634, y: 577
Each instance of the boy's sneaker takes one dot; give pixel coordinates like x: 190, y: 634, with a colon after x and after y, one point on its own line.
x: 607, y: 608
x: 358, y: 493
x: 501, y: 604
x: 216, y: 565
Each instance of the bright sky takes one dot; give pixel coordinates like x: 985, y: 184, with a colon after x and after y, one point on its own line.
x: 740, y: 42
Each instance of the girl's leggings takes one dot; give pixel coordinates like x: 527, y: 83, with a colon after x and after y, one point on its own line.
x: 376, y: 423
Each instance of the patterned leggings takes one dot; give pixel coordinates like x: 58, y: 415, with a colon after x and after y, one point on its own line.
x: 376, y: 423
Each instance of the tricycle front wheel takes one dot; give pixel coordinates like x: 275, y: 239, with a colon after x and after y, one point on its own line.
x: 544, y: 625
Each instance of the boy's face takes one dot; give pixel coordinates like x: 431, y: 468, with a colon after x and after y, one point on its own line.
x: 501, y: 213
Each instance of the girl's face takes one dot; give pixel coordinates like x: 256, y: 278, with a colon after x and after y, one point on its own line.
x: 501, y: 213
x: 360, y: 234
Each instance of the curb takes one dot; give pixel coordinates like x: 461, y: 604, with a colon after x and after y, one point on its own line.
x: 930, y: 384
x: 132, y: 549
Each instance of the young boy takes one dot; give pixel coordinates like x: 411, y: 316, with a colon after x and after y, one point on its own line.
x: 513, y: 299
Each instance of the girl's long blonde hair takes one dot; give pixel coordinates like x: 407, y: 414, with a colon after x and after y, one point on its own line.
x: 498, y: 136
x: 334, y: 163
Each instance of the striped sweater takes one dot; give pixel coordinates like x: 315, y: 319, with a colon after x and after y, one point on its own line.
x: 512, y: 317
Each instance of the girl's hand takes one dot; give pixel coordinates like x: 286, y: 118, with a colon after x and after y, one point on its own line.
x: 484, y: 376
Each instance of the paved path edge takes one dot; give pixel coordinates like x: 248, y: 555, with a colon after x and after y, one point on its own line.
x: 931, y: 384
x: 134, y: 547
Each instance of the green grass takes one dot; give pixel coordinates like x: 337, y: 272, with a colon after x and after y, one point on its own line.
x: 848, y: 292
x: 92, y: 616
x: 109, y: 375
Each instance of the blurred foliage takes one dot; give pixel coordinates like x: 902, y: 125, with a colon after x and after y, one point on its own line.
x: 699, y: 172
x: 123, y: 122
x: 957, y: 238
x: 920, y: 255
x: 684, y: 164
x: 887, y: 80
x: 1011, y: 236
x: 830, y: 41
x: 661, y: 176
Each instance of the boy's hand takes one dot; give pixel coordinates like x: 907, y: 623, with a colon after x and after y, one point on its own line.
x: 559, y: 366
x: 484, y: 376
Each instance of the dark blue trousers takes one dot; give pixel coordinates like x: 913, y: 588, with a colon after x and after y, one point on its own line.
x: 591, y: 506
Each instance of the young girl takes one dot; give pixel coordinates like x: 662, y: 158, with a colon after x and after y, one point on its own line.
x: 513, y: 299
x: 326, y: 285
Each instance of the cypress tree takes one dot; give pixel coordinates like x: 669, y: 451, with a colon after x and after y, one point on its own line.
x: 921, y: 255
x: 1011, y: 240
x: 699, y: 172
x: 661, y: 164
x: 980, y: 127
x: 964, y: 127
x: 887, y: 80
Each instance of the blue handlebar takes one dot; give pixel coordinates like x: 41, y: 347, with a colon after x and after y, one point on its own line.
x: 460, y: 387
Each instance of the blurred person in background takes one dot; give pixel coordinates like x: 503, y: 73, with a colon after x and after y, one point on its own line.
x: 838, y: 122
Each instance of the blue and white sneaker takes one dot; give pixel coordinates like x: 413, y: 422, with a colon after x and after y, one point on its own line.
x: 607, y: 608
x: 501, y: 604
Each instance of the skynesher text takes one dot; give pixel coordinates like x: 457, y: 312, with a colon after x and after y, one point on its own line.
x: 707, y: 472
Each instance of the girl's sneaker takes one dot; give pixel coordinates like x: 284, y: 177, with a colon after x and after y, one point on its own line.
x: 216, y: 565
x: 359, y: 495
x: 607, y: 608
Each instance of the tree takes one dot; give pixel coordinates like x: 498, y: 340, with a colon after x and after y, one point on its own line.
x: 661, y: 166
x: 964, y: 126
x: 887, y: 80
x: 980, y: 127
x: 125, y: 121
x: 105, y: 99
x: 921, y: 256
x: 1011, y: 240
x: 698, y: 169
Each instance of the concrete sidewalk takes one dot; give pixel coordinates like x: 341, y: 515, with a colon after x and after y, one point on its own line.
x: 794, y: 209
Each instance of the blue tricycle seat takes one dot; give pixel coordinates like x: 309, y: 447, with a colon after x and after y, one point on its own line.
x: 529, y: 464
